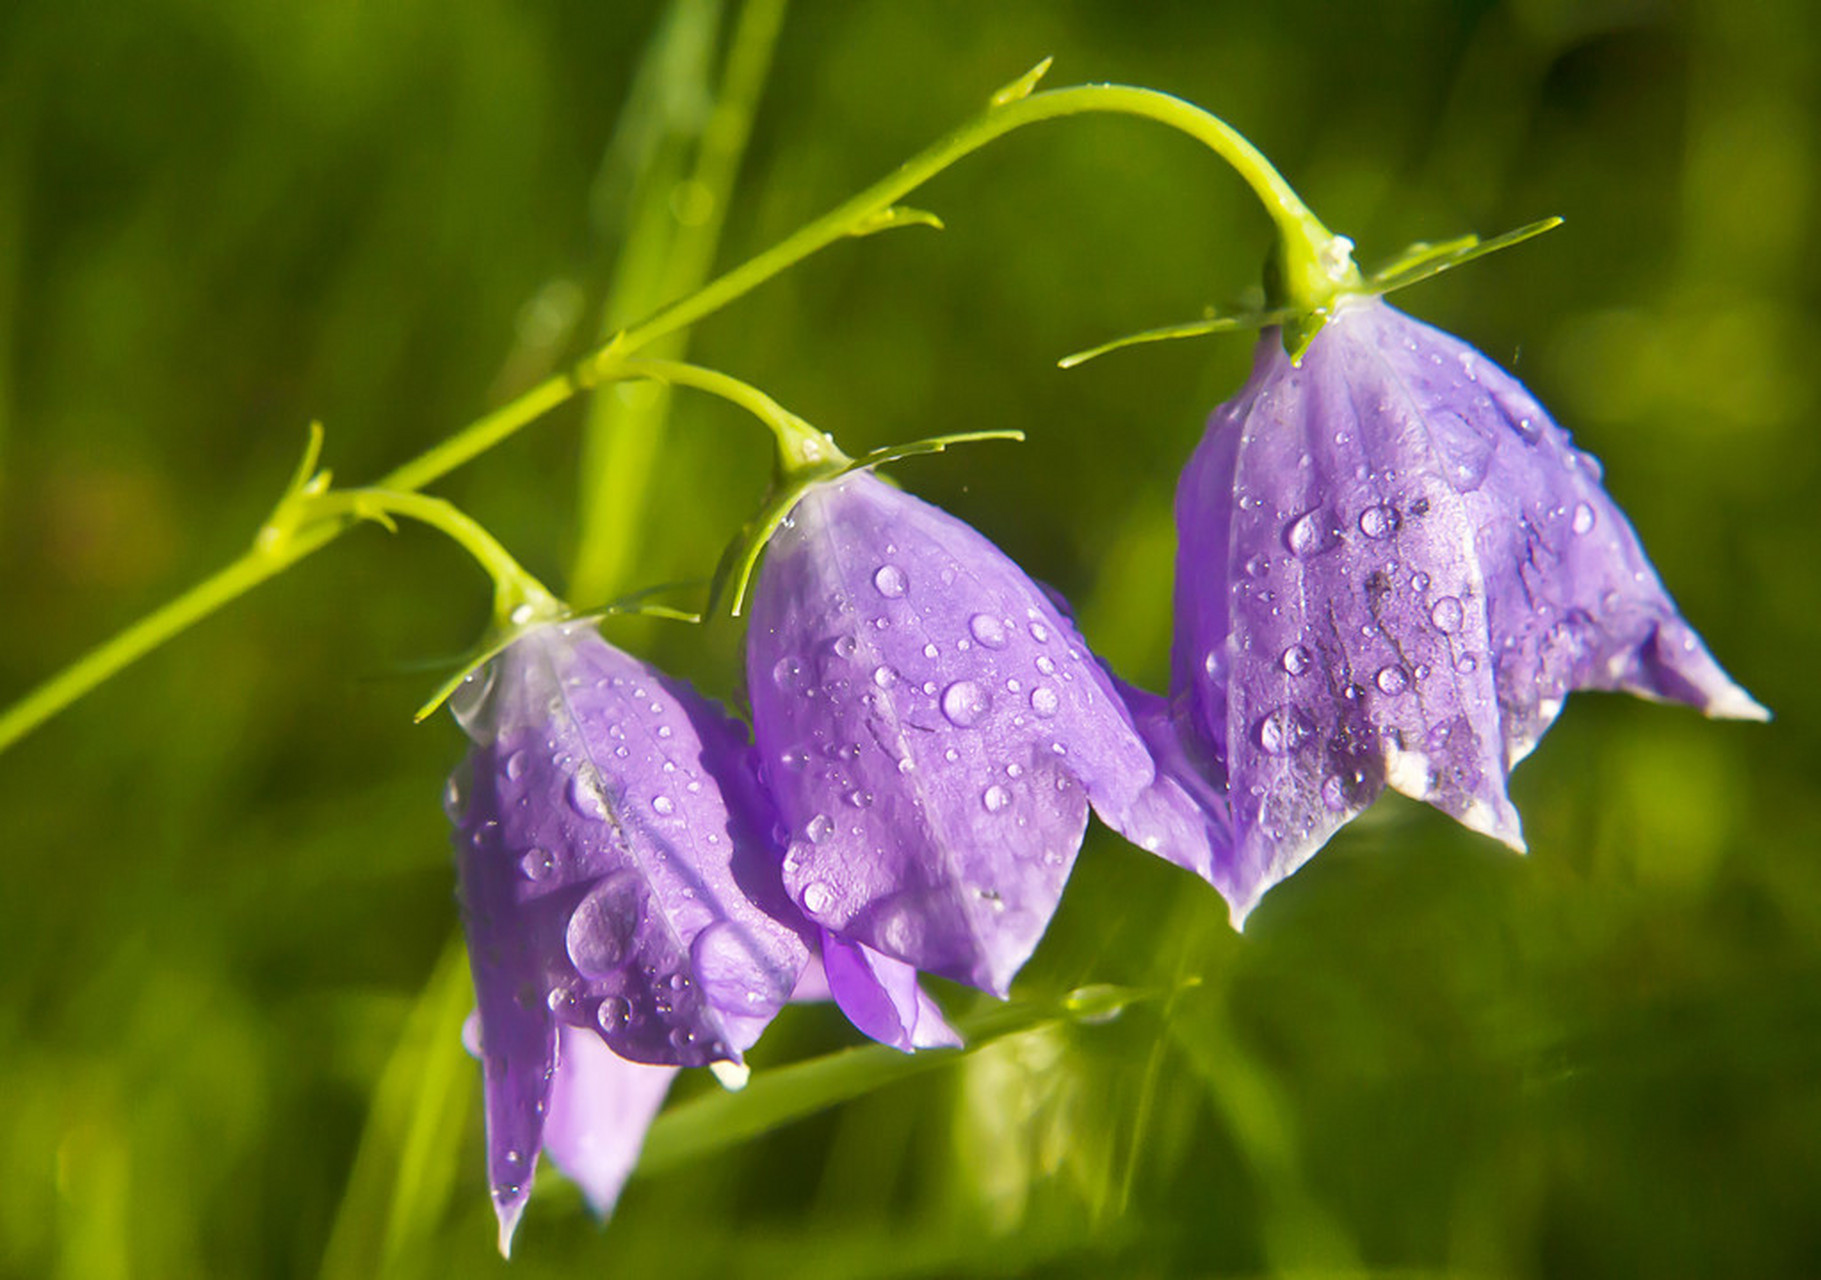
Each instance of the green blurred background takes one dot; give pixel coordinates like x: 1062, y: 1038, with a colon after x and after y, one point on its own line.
x: 227, y: 987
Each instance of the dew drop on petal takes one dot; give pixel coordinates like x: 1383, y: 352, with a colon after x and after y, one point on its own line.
x: 889, y: 581
x: 929, y: 650
x: 663, y: 805
x: 1045, y: 701
x: 588, y: 795
x: 1257, y: 567
x: 845, y: 646
x: 1040, y: 633
x: 860, y: 798
x: 1310, y: 534
x: 817, y: 828
x: 1466, y: 664
x: 884, y: 677
x: 1296, y: 660
x: 818, y: 897
x: 964, y: 703
x: 602, y: 924
x: 1045, y: 664
x: 538, y: 864
x: 1583, y: 520
x: 1378, y: 521
x: 516, y: 764
x: 995, y: 798
x: 988, y: 630
x: 613, y: 1014
x: 787, y: 672
x: 1282, y: 730
x: 455, y: 799
x: 1393, y: 680
x: 1447, y: 615
x: 1334, y: 793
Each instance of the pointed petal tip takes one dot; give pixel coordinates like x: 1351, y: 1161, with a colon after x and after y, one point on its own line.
x: 731, y: 1076
x: 509, y: 1212
x: 1733, y: 703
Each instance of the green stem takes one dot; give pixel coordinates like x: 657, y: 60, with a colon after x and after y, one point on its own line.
x: 1309, y: 253
x: 800, y: 446
x: 518, y: 598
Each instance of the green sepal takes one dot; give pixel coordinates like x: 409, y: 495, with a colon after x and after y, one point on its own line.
x: 1422, y: 260
x: 898, y: 215
x: 1022, y: 87
x: 733, y: 576
x: 499, y: 640
x: 1192, y: 329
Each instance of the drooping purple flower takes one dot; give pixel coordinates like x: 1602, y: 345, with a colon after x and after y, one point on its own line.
x: 615, y: 885
x: 1392, y: 568
x: 932, y: 730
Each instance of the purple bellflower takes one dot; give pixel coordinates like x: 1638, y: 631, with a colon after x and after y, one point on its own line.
x: 1392, y: 568
x: 932, y: 731
x: 623, y: 909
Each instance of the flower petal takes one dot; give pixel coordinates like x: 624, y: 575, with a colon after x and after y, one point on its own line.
x: 1396, y: 567
x: 625, y: 874
x: 600, y: 1107
x: 933, y: 731
x: 882, y: 998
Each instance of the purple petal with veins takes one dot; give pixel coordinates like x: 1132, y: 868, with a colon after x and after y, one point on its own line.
x: 613, y: 878
x: 1392, y: 568
x: 932, y: 730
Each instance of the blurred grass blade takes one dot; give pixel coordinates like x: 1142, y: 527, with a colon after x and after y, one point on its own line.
x: 398, y: 1194
x: 776, y: 1097
x: 676, y: 153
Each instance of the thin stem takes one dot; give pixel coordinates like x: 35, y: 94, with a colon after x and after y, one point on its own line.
x: 1309, y: 254
x: 800, y: 446
x: 518, y: 598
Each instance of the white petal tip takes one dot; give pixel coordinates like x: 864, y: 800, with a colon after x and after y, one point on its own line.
x: 731, y: 1076
x: 1733, y: 703
x: 509, y: 1214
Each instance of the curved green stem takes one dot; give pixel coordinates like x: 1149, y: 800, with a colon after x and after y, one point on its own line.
x: 800, y: 446
x: 518, y: 598
x: 1311, y: 255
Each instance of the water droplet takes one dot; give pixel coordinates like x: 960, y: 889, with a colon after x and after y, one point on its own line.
x: 889, y: 581
x: 1466, y: 664
x: 615, y: 1012
x: 1419, y: 581
x: 602, y: 925
x: 929, y: 650
x: 516, y: 764
x: 1378, y: 522
x: 1040, y: 633
x: 1296, y: 660
x: 845, y: 646
x: 818, y: 897
x: 951, y: 755
x: 1310, y: 534
x: 1283, y: 730
x: 787, y: 672
x: 588, y: 794
x: 1014, y: 770
x: 663, y: 731
x: 1393, y: 680
x: 860, y: 798
x: 884, y: 677
x: 794, y: 758
x: 1527, y: 430
x: 1014, y: 685
x: 455, y: 798
x: 1045, y: 701
x: 1447, y: 615
x: 1045, y: 665
x: 817, y: 828
x: 995, y: 798
x: 1257, y: 567
x: 538, y: 864
x: 964, y: 703
x: 663, y: 805
x: 1334, y: 793
x: 988, y: 630
x: 560, y: 1001
x: 1583, y: 519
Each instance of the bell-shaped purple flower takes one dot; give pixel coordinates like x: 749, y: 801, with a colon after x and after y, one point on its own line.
x: 1392, y: 568
x: 932, y: 730
x: 616, y: 886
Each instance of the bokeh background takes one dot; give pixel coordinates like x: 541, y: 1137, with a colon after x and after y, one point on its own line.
x: 228, y: 985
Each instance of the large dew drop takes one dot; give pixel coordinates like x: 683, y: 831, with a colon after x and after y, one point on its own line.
x: 603, y: 924
x: 964, y: 703
x: 889, y: 581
